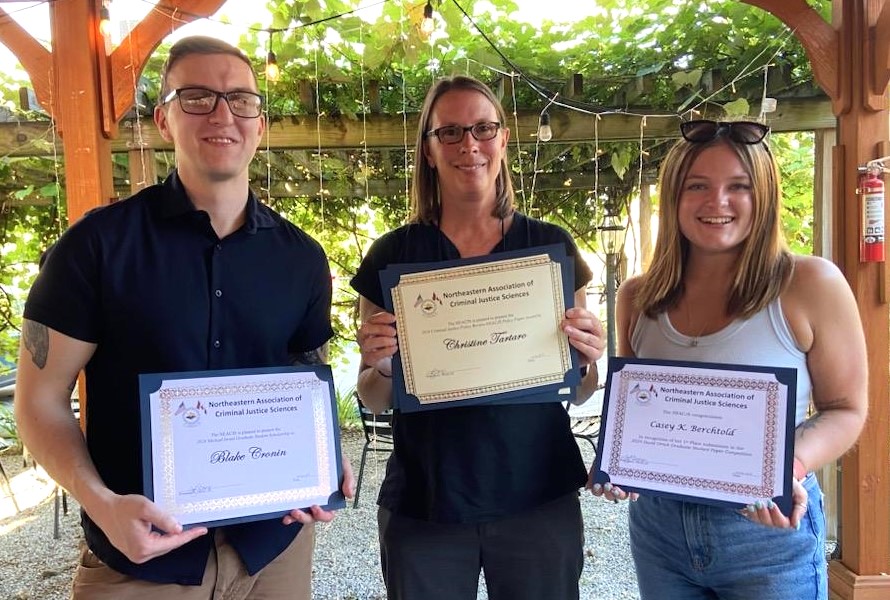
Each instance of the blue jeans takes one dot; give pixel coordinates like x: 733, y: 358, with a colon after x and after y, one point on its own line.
x: 685, y: 551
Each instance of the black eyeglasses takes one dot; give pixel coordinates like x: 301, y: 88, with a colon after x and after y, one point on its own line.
x: 743, y: 132
x: 454, y: 134
x: 203, y: 101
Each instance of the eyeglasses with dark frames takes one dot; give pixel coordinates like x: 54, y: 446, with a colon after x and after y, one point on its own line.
x: 454, y: 134
x: 742, y: 132
x: 203, y: 101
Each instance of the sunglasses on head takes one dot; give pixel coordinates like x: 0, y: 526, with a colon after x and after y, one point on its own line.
x: 743, y: 132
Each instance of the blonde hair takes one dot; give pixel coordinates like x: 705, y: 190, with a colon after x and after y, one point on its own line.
x: 426, y: 205
x: 764, y: 265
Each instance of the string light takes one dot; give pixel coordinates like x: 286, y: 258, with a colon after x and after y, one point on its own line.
x: 545, y: 133
x: 104, y: 21
x: 427, y: 26
x: 581, y: 107
x: 570, y: 104
x: 273, y: 72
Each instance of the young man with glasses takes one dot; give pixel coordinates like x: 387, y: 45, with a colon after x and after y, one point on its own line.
x: 191, y: 274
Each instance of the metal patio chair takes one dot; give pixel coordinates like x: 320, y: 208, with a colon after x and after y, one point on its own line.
x: 378, y: 438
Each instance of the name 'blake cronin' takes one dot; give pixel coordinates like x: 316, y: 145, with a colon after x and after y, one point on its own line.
x: 497, y: 337
x: 254, y: 452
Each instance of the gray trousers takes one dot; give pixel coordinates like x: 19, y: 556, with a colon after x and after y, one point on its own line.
x: 536, y: 555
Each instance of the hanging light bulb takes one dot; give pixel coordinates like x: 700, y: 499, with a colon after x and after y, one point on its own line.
x: 427, y: 26
x: 545, y: 133
x: 104, y: 21
x: 273, y: 72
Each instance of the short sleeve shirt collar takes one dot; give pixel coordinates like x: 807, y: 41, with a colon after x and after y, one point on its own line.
x: 176, y: 203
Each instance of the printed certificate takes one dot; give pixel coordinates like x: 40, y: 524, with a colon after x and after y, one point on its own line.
x: 700, y: 432
x: 482, y: 330
x: 229, y: 446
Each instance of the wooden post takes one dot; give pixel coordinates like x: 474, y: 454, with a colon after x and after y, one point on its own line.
x: 79, y: 110
x: 575, y: 86
x: 645, y: 225
x: 823, y: 216
x: 374, y: 96
x: 78, y: 113
x: 143, y: 170
x: 24, y: 101
x: 823, y: 245
x: 307, y: 97
x: 865, y: 494
x: 850, y: 63
x: 504, y: 93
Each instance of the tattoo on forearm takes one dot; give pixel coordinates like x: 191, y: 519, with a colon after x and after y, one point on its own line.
x: 35, y: 337
x: 810, y: 423
x: 319, y: 356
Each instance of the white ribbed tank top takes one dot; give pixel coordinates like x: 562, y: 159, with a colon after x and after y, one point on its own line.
x: 763, y: 339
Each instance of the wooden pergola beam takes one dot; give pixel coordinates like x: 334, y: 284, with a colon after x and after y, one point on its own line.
x: 350, y: 190
x: 387, y: 131
x: 35, y: 59
x: 818, y: 38
x: 129, y: 57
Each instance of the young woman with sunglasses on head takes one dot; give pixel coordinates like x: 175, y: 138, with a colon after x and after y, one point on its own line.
x: 490, y: 487
x: 723, y: 288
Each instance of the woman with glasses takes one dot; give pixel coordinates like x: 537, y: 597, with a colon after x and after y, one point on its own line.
x: 490, y: 487
x: 723, y: 288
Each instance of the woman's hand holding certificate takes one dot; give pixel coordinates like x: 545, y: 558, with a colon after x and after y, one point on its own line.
x: 719, y: 434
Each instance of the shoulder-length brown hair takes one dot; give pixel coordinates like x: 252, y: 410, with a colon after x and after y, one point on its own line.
x: 425, y: 201
x: 764, y: 265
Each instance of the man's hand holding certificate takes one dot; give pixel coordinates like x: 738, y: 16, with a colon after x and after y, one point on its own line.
x: 718, y: 434
x: 230, y: 446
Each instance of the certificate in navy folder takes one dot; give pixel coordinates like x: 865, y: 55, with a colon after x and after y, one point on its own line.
x: 711, y: 433
x: 221, y: 447
x: 483, y: 330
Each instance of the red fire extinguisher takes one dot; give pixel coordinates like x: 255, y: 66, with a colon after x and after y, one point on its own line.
x: 871, y: 199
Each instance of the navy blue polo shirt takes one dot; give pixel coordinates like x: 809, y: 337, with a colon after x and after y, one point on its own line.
x: 148, y: 281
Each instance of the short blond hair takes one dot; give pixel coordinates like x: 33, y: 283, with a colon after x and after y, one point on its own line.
x: 199, y: 44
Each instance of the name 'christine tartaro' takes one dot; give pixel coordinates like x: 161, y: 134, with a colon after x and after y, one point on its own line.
x: 497, y: 337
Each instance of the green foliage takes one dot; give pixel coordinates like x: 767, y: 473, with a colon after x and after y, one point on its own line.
x: 658, y: 54
x: 794, y: 153
x: 26, y: 230
x: 8, y: 430
x: 347, y: 411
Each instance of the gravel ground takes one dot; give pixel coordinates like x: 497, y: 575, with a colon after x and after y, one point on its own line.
x: 34, y: 566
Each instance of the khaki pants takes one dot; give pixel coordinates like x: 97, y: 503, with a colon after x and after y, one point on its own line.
x: 289, y: 577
